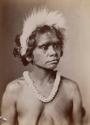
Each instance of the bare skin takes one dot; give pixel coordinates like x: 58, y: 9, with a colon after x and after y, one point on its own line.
x: 20, y: 104
x: 20, y: 100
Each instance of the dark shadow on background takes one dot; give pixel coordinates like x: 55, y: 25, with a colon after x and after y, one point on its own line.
x: 11, y: 21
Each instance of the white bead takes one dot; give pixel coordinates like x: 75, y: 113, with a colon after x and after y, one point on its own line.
x: 37, y: 93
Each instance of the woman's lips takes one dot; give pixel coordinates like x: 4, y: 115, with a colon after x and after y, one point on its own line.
x: 53, y: 61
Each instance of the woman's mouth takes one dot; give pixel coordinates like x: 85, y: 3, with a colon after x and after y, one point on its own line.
x: 53, y: 61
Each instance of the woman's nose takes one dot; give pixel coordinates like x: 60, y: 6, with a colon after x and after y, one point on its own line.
x: 51, y: 51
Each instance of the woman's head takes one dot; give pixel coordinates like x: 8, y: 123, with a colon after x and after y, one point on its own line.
x: 27, y: 41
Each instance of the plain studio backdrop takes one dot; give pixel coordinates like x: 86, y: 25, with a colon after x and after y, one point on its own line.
x: 75, y: 63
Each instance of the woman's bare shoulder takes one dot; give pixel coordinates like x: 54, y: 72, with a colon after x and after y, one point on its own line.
x: 71, y: 87
x: 15, y: 86
x: 69, y: 83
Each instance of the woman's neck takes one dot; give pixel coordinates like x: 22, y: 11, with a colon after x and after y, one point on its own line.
x: 41, y: 74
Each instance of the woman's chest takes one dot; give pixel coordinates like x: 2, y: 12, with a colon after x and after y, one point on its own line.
x: 56, y: 112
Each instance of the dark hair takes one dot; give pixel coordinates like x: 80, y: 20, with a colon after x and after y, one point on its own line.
x: 32, y: 43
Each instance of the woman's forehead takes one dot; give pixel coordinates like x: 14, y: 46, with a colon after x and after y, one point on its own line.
x: 46, y: 38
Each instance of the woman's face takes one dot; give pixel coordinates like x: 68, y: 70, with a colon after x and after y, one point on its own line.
x: 47, y: 52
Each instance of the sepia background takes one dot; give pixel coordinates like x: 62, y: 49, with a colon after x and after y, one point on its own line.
x: 75, y: 63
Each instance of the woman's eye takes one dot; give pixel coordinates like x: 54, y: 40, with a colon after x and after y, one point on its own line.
x: 44, y: 47
x: 55, y: 45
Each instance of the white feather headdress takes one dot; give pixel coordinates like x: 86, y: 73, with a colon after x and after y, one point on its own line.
x: 40, y: 18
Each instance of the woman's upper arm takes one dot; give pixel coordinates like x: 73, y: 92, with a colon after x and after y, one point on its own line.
x: 77, y: 106
x: 8, y: 104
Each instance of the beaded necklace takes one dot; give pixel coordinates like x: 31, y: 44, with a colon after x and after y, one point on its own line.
x: 37, y: 93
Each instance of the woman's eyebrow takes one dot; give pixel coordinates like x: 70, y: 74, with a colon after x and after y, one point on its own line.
x: 45, y: 44
x: 48, y: 43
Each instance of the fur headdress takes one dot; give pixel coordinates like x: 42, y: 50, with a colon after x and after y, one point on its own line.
x: 40, y: 18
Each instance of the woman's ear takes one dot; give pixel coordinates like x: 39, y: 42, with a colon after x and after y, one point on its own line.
x: 29, y: 59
